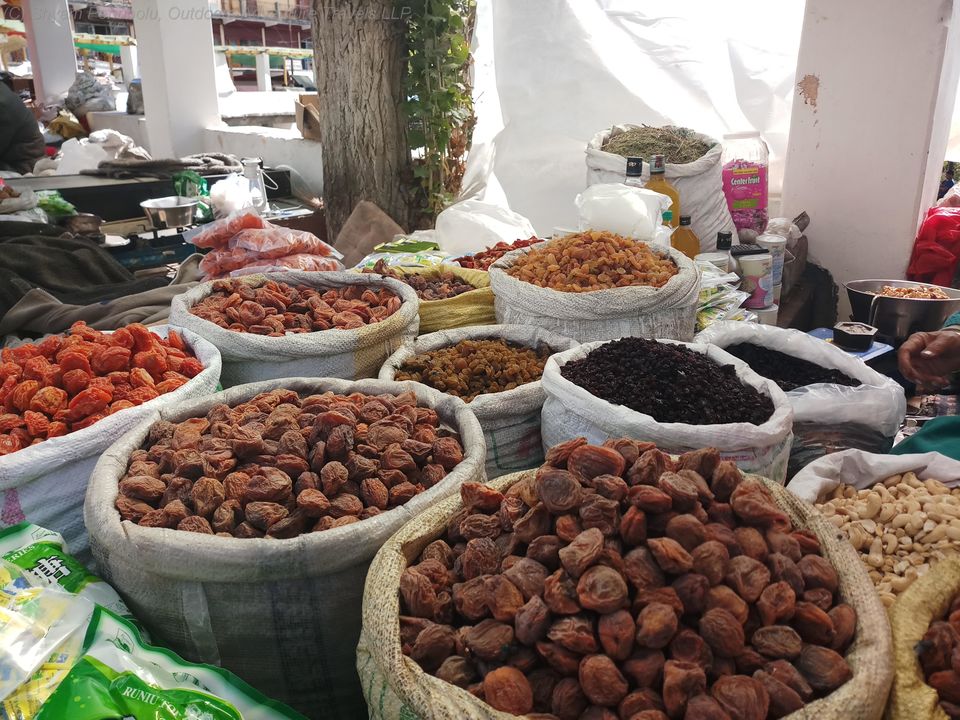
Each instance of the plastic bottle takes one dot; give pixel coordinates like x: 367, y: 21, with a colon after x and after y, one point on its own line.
x: 685, y: 239
x: 658, y: 183
x: 745, y: 158
x: 634, y: 168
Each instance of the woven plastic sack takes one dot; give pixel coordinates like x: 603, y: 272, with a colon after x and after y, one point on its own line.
x: 926, y: 600
x: 666, y: 312
x: 699, y: 184
x: 474, y: 307
x: 879, y: 403
x: 45, y: 483
x: 570, y: 411
x: 510, y: 419
x: 284, y: 615
x: 397, y: 689
x: 349, y: 354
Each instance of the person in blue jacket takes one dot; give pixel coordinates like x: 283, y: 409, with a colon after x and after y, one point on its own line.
x: 929, y: 358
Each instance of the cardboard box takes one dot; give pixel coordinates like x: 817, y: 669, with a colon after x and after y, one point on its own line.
x: 308, y: 115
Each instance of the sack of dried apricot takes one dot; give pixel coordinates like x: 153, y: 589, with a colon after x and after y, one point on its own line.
x: 240, y: 527
x: 300, y: 324
x: 496, y: 369
x: 596, y: 285
x: 450, y: 296
x: 619, y: 582
x: 66, y: 398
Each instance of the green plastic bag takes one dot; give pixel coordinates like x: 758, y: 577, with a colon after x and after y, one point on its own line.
x: 120, y: 676
x: 43, y: 554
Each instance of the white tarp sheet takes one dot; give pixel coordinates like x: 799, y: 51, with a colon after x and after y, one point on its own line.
x: 549, y: 74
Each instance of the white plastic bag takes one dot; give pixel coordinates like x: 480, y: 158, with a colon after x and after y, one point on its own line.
x: 862, y: 470
x: 473, y: 225
x: 571, y: 411
x: 230, y: 195
x: 631, y: 211
x: 665, y: 312
x: 878, y: 403
x: 77, y: 155
x: 511, y: 419
x: 698, y: 182
x: 27, y: 200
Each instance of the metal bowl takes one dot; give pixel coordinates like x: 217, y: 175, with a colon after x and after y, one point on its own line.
x: 170, y: 212
x: 897, y: 318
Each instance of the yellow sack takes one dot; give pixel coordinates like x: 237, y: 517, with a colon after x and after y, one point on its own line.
x: 397, y: 689
x: 474, y: 307
x: 926, y: 600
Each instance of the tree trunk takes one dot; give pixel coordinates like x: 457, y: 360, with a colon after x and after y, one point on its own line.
x: 360, y: 59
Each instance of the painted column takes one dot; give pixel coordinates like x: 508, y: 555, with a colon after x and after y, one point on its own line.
x: 50, y: 44
x: 876, y: 82
x: 177, y: 72
x: 129, y: 63
x: 263, y: 72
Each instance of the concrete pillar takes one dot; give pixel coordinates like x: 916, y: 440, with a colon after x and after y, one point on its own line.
x: 263, y: 72
x: 128, y: 61
x: 50, y: 44
x: 177, y: 72
x: 869, y: 129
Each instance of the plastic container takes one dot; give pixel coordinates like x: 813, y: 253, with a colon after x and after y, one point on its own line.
x: 745, y: 158
x: 777, y: 245
x: 757, y: 273
x: 777, y: 292
x: 720, y: 259
x: 768, y: 316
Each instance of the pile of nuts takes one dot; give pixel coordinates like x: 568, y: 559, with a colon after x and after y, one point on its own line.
x: 668, y: 382
x: 431, y: 286
x: 68, y: 382
x: 485, y: 258
x: 476, y: 367
x: 276, y: 309
x: 617, y: 582
x: 939, y: 656
x: 593, y: 260
x: 901, y: 527
x: 280, y: 465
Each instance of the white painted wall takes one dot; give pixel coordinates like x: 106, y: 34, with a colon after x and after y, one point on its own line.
x: 177, y: 69
x: 863, y: 159
x: 276, y: 147
x: 130, y: 63
x: 50, y: 44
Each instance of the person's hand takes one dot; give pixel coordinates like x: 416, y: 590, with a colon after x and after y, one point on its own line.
x: 929, y: 358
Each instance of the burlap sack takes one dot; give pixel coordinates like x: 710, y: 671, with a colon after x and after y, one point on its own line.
x: 396, y: 688
x: 511, y: 419
x: 665, y: 312
x: 474, y: 307
x: 926, y: 600
x: 348, y: 354
x: 282, y: 614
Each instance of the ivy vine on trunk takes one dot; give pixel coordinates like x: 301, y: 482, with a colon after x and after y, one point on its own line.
x: 439, y: 104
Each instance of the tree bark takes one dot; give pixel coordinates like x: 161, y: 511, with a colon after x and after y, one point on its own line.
x: 360, y: 62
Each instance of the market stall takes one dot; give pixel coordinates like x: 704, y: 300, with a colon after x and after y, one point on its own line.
x: 631, y: 470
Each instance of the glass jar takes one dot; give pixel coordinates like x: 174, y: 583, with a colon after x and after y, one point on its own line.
x: 745, y: 159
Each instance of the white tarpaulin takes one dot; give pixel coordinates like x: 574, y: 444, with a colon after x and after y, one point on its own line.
x: 565, y: 69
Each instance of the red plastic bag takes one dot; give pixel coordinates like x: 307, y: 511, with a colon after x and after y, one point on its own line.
x: 305, y: 262
x: 274, y: 242
x: 218, y: 233
x: 936, y: 251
